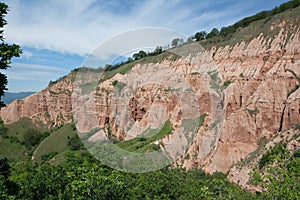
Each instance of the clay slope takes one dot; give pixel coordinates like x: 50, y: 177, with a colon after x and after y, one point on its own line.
x: 248, y: 90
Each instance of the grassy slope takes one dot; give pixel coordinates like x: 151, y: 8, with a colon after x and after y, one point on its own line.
x: 14, y: 150
x: 57, y: 141
x: 19, y: 128
x: 142, y: 144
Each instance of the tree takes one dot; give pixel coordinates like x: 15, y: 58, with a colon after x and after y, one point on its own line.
x: 7, y: 52
x: 4, y: 167
x: 200, y: 35
x: 214, y: 32
x: 32, y: 138
x: 141, y: 54
x: 158, y: 50
x: 75, y: 143
x: 176, y: 42
x: 278, y: 173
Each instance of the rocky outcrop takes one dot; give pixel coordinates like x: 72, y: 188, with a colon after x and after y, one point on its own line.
x: 50, y: 107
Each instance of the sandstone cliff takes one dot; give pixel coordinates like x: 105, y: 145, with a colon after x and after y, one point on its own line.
x: 51, y: 107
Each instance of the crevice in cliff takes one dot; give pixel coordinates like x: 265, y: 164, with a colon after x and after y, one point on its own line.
x: 297, y: 86
x: 241, y: 100
x: 281, y: 119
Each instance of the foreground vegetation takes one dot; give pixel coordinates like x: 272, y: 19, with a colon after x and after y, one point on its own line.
x: 71, y: 172
x: 278, y: 173
x: 82, y: 177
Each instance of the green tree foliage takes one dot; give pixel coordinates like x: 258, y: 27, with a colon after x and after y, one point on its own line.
x: 136, y: 56
x: 141, y: 54
x: 200, y: 35
x: 32, y: 138
x: 7, y: 52
x: 278, y: 174
x: 85, y: 178
x: 213, y: 33
x: 176, y: 42
x: 158, y: 50
x: 4, y: 168
x: 3, y: 129
x: 75, y: 143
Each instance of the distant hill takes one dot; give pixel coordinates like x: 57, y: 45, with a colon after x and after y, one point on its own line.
x: 11, y: 96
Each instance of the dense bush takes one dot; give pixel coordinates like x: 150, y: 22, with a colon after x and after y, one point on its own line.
x: 75, y: 143
x: 85, y: 178
x: 278, y: 174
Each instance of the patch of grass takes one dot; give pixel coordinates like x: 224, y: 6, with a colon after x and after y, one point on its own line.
x: 148, y: 148
x: 57, y: 141
x: 215, y: 81
x: 88, y: 87
x: 226, y: 84
x: 297, y: 126
x: 143, y: 142
x: 119, y: 85
x: 251, y: 112
x: 123, y: 69
x: 201, y: 119
x: 58, y: 159
x: 214, y: 124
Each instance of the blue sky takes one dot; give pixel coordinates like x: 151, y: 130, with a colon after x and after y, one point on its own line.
x: 57, y: 35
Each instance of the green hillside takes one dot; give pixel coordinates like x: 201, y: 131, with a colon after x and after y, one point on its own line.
x: 55, y: 143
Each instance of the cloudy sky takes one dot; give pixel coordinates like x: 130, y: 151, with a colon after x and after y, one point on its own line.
x: 57, y: 35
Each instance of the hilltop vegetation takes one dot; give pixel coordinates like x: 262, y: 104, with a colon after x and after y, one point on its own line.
x: 227, y: 32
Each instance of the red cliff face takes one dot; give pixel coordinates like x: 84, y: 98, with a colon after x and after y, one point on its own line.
x: 51, y: 107
x: 257, y: 80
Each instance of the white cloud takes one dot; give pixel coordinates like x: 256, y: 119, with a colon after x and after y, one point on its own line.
x: 77, y: 26
x: 130, y: 42
x: 21, y: 71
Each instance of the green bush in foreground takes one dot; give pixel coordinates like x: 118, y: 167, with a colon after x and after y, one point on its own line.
x: 85, y: 178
